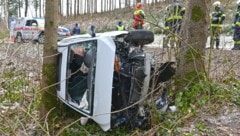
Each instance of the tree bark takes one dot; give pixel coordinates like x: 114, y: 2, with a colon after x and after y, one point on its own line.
x: 191, y: 68
x: 40, y: 8
x: 19, y: 8
x: 26, y: 8
x: 67, y: 9
x: 49, y: 98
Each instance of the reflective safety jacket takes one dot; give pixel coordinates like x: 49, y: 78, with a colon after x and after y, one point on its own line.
x: 217, y: 18
x: 236, y: 19
x: 236, y: 26
x: 138, y: 17
x: 120, y: 28
x: 174, y: 14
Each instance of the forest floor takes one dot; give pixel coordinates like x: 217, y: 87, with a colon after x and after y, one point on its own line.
x: 224, y: 121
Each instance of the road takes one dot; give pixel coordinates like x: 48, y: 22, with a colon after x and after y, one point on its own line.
x: 226, y: 42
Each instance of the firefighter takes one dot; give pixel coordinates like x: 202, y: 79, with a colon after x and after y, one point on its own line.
x: 217, y: 18
x: 236, y: 26
x: 138, y: 17
x: 120, y: 26
x: 173, y: 20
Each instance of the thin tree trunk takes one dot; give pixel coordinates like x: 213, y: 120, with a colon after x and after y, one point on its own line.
x: 78, y: 7
x: 75, y: 7
x: 40, y: 8
x: 5, y: 4
x: 67, y: 8
x: 95, y: 6
x: 19, y: 8
x: 88, y: 6
x: 49, y: 99
x: 70, y: 6
x: 26, y: 8
x: 120, y: 4
x: 60, y: 7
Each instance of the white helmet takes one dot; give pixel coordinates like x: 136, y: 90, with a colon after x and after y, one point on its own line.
x: 238, y: 2
x: 217, y: 4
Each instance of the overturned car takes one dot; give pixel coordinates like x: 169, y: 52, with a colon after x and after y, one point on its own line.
x: 105, y: 77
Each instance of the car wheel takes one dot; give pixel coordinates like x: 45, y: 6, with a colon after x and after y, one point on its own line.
x: 140, y: 37
x: 34, y: 41
x: 18, y: 38
x: 41, y: 38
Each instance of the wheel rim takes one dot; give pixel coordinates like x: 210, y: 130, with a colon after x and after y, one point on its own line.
x: 41, y: 39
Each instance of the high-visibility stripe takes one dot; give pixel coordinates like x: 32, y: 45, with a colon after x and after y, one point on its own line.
x: 174, y: 17
x: 216, y: 25
x: 236, y: 42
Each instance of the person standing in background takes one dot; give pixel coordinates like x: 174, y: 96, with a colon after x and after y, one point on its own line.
x: 217, y: 18
x: 138, y: 17
x: 76, y: 30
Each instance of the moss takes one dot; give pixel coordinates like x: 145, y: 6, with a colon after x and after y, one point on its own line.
x: 197, y: 14
x: 51, y: 23
x: 49, y: 98
x: 191, y: 55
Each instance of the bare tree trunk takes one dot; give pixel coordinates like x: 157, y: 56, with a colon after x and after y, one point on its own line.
x: 88, y: 6
x: 105, y: 5
x: 67, y: 9
x: 120, y: 4
x: 26, y: 8
x: 70, y: 6
x: 43, y: 7
x: 40, y: 8
x: 75, y: 7
x: 49, y: 99
x: 191, y: 68
x: 78, y: 7
x: 5, y: 4
x: 110, y: 5
x: 19, y: 8
x: 60, y: 7
x: 95, y: 6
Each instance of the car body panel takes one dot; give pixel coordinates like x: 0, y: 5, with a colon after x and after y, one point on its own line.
x: 102, y: 84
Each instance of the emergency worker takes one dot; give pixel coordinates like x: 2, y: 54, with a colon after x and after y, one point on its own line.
x: 120, y: 26
x: 236, y: 27
x: 217, y: 18
x: 173, y: 20
x: 138, y: 17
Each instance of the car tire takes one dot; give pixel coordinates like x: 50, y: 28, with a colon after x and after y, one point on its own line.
x: 34, y: 42
x: 18, y: 38
x: 140, y: 37
x: 41, y: 38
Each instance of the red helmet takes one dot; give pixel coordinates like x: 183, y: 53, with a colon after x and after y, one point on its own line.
x: 138, y: 6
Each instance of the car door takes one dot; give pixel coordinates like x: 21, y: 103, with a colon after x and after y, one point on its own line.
x: 34, y: 29
x: 27, y: 32
x: 88, y: 92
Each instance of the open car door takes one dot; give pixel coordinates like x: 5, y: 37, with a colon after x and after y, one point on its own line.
x: 85, y: 80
